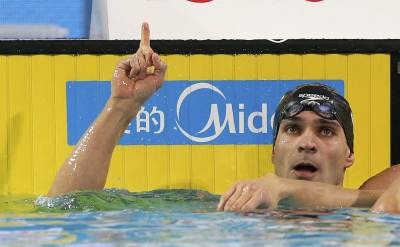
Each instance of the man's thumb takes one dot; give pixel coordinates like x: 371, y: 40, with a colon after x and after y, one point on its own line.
x: 159, y: 65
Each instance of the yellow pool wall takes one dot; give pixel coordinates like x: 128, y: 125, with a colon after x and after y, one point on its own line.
x: 33, y: 120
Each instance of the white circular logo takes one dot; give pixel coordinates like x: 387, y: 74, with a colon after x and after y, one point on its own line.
x: 211, y: 120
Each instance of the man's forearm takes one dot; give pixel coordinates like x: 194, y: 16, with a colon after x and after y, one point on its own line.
x: 88, y: 164
x: 320, y: 195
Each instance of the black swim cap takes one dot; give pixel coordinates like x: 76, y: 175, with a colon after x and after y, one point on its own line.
x: 322, y: 100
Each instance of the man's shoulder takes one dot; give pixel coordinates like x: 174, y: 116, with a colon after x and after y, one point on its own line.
x: 382, y: 180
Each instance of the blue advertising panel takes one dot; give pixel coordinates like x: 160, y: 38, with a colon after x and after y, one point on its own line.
x: 190, y: 112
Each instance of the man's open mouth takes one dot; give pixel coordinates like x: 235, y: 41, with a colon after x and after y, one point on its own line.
x: 305, y: 167
x: 305, y: 170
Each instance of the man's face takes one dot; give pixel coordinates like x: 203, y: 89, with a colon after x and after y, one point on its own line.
x: 313, y: 148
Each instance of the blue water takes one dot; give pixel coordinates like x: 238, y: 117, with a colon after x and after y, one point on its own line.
x: 181, y: 218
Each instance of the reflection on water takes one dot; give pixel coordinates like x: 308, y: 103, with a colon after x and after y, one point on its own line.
x: 181, y: 218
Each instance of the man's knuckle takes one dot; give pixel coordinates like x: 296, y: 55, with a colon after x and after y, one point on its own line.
x: 241, y: 183
x: 253, y: 187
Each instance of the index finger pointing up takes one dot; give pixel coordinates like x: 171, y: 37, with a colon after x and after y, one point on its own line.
x: 145, y: 39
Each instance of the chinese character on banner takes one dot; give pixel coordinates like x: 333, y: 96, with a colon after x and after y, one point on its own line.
x: 143, y: 120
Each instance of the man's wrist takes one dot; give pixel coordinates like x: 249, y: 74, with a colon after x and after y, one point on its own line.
x: 125, y: 106
x: 290, y: 187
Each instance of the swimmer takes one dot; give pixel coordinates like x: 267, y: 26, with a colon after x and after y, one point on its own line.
x: 313, y: 146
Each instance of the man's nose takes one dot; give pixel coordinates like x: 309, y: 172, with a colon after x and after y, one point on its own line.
x: 307, y: 143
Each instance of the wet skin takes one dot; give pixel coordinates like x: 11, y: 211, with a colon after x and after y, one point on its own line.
x: 309, y: 147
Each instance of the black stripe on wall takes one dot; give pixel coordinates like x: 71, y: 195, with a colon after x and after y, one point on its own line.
x: 301, y: 46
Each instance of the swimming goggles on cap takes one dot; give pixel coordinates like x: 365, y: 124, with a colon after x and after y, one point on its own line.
x: 325, y: 109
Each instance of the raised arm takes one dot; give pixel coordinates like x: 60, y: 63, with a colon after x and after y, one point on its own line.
x: 271, y: 190
x: 134, y: 80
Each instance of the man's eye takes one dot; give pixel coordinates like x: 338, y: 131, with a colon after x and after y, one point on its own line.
x: 327, y: 131
x: 292, y: 129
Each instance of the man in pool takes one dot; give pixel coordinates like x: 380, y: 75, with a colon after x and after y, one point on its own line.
x: 313, y: 145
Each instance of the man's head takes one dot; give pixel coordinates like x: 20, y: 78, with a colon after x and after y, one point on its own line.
x: 313, y: 135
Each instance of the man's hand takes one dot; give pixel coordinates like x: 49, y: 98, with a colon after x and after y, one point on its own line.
x: 271, y: 189
x: 135, y: 79
x: 248, y: 195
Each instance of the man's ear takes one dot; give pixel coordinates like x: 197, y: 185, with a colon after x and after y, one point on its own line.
x: 349, y: 160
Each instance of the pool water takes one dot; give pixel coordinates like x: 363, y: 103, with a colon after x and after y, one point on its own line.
x: 181, y: 218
